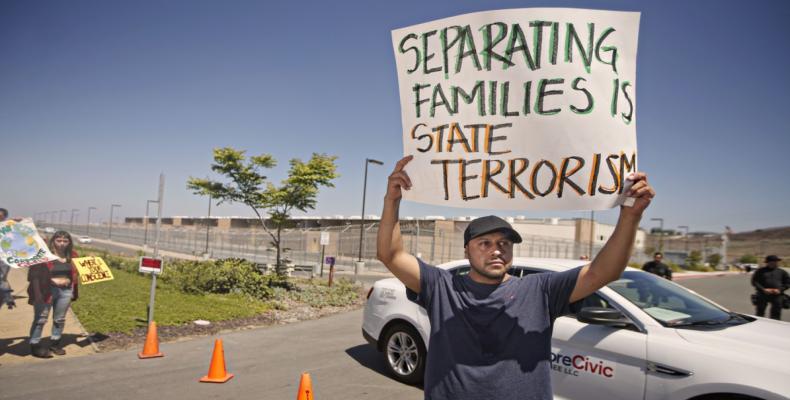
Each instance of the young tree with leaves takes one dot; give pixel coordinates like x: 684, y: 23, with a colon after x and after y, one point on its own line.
x: 245, y: 184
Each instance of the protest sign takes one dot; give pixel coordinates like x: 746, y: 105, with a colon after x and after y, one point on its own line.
x: 520, y: 109
x: 20, y: 244
x: 92, y: 270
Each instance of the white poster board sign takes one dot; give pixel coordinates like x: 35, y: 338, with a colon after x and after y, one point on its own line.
x: 520, y: 109
x: 20, y: 244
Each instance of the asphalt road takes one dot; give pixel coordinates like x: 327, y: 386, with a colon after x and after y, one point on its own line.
x: 267, y: 364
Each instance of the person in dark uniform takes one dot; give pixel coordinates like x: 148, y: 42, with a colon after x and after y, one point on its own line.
x: 657, y: 267
x: 770, y: 281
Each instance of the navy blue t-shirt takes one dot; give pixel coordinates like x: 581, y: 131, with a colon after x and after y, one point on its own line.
x: 491, y: 341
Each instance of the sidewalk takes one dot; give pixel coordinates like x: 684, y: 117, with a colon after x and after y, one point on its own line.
x: 15, y: 328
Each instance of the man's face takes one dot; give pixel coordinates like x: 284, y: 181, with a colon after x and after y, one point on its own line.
x: 772, y: 264
x: 490, y: 256
x: 657, y: 258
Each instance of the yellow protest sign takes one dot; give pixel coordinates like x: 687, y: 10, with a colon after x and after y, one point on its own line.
x: 92, y: 270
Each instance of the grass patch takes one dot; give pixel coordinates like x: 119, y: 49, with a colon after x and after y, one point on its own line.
x: 121, y: 305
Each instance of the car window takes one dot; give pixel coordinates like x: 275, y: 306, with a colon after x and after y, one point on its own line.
x: 668, y: 303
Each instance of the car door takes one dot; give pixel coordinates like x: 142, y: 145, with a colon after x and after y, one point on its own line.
x: 596, y: 361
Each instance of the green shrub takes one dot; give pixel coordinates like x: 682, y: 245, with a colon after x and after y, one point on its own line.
x: 230, y: 275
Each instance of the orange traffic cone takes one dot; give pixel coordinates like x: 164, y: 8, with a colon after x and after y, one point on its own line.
x: 216, y: 371
x: 151, y: 347
x: 305, y: 388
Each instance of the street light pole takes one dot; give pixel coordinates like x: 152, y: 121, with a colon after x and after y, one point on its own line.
x: 71, y: 221
x: 60, y: 217
x: 364, y: 191
x: 112, y: 207
x: 661, y: 237
x: 145, y: 235
x: 88, y: 228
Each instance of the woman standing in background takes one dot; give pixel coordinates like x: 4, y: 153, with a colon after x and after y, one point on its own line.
x: 53, y: 286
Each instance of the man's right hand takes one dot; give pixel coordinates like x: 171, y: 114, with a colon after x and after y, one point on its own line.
x: 398, y: 180
x: 770, y: 291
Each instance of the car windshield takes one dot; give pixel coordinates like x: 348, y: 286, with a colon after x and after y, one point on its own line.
x: 668, y: 303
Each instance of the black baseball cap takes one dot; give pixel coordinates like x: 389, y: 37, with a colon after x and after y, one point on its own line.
x: 491, y: 223
x: 772, y: 258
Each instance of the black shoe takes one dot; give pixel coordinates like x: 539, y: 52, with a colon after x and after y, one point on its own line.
x: 57, y: 348
x: 38, y: 350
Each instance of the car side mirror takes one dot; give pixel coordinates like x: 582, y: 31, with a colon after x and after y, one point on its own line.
x: 602, y: 316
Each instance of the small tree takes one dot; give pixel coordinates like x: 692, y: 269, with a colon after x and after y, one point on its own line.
x: 246, y: 185
x: 748, y: 259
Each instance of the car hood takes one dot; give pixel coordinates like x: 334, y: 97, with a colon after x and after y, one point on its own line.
x: 762, y: 336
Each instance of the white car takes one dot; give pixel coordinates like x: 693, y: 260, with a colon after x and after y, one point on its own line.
x: 641, y: 337
x: 49, y: 229
x: 84, y: 239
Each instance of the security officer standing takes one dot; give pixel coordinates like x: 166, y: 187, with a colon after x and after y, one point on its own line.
x: 770, y: 281
x: 657, y: 267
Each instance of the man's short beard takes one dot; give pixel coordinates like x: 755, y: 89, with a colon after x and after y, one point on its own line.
x: 487, y: 274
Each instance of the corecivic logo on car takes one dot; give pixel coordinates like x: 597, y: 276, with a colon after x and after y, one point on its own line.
x: 577, y: 363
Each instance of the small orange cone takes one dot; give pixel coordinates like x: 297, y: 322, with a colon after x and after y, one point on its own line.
x: 216, y: 371
x: 305, y: 388
x: 151, y: 347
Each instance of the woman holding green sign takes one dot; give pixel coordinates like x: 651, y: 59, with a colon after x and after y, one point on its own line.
x: 53, y: 286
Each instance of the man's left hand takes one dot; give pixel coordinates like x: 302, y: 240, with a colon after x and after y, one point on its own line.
x: 641, y: 191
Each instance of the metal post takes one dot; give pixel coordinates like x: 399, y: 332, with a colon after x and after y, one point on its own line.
x: 145, y: 235
x: 71, y: 220
x: 112, y: 206
x: 88, y: 228
x: 60, y: 217
x: 362, y: 217
x: 156, y: 246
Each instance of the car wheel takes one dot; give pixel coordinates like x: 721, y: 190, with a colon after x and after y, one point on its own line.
x: 405, y: 353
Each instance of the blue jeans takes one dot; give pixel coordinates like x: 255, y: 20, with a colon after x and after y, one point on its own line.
x: 61, y: 299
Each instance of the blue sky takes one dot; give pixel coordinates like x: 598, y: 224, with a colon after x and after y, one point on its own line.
x: 97, y: 98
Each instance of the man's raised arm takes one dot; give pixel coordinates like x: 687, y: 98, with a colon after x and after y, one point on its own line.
x: 609, y: 264
x: 389, y: 244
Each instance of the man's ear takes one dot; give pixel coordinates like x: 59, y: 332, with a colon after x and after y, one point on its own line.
x: 466, y: 252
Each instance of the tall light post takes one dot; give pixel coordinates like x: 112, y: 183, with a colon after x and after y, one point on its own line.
x: 88, y: 227
x: 364, y: 191
x: 112, y: 207
x: 60, y: 217
x: 71, y: 221
x: 145, y: 235
x: 661, y: 233
x: 687, y: 237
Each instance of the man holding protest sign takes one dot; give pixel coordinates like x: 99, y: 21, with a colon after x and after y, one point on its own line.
x: 490, y: 332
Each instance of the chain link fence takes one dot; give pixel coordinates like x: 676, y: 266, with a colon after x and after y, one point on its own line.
x: 302, y: 246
